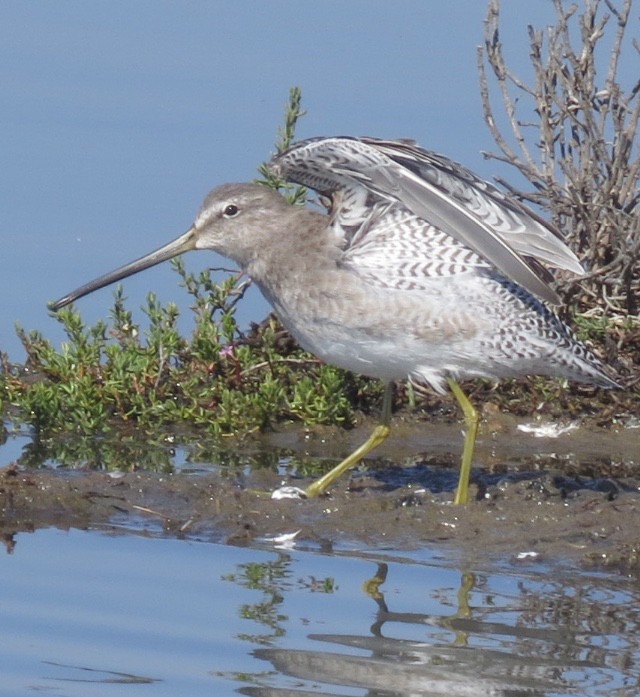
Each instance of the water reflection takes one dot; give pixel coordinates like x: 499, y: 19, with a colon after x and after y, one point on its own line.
x: 545, y: 639
x: 91, y: 675
x: 184, y: 617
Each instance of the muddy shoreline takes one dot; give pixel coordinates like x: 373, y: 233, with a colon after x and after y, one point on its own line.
x: 572, y: 496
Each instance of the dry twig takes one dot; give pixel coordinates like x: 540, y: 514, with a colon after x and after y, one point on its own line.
x: 573, y: 134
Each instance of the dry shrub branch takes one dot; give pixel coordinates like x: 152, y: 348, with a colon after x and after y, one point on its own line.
x: 572, y: 131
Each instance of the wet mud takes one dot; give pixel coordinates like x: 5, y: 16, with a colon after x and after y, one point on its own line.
x: 554, y: 493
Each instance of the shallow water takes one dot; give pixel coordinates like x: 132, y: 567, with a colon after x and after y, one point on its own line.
x: 103, y: 612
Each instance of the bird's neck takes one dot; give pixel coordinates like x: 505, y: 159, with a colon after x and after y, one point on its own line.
x: 285, y: 253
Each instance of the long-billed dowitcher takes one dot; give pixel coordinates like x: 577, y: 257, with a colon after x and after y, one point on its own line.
x: 420, y: 270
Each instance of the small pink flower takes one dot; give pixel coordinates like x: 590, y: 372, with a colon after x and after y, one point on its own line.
x: 228, y: 351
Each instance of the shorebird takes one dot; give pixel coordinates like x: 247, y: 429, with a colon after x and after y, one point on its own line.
x: 419, y: 270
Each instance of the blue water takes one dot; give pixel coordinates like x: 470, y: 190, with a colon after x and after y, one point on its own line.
x: 113, y: 613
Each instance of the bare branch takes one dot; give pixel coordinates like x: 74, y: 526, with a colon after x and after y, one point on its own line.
x: 573, y: 133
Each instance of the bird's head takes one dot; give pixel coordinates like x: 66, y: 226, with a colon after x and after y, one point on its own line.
x: 231, y: 221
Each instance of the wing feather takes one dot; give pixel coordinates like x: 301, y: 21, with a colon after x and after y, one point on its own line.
x: 403, y: 212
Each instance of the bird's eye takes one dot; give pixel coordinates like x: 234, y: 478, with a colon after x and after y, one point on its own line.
x: 231, y: 211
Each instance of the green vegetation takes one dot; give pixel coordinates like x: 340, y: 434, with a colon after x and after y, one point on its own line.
x: 220, y: 381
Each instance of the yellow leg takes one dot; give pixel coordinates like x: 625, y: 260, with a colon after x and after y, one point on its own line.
x: 380, y: 433
x: 464, y: 611
x: 372, y: 586
x: 471, y: 419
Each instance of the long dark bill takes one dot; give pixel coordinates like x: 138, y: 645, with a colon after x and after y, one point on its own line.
x: 184, y: 243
